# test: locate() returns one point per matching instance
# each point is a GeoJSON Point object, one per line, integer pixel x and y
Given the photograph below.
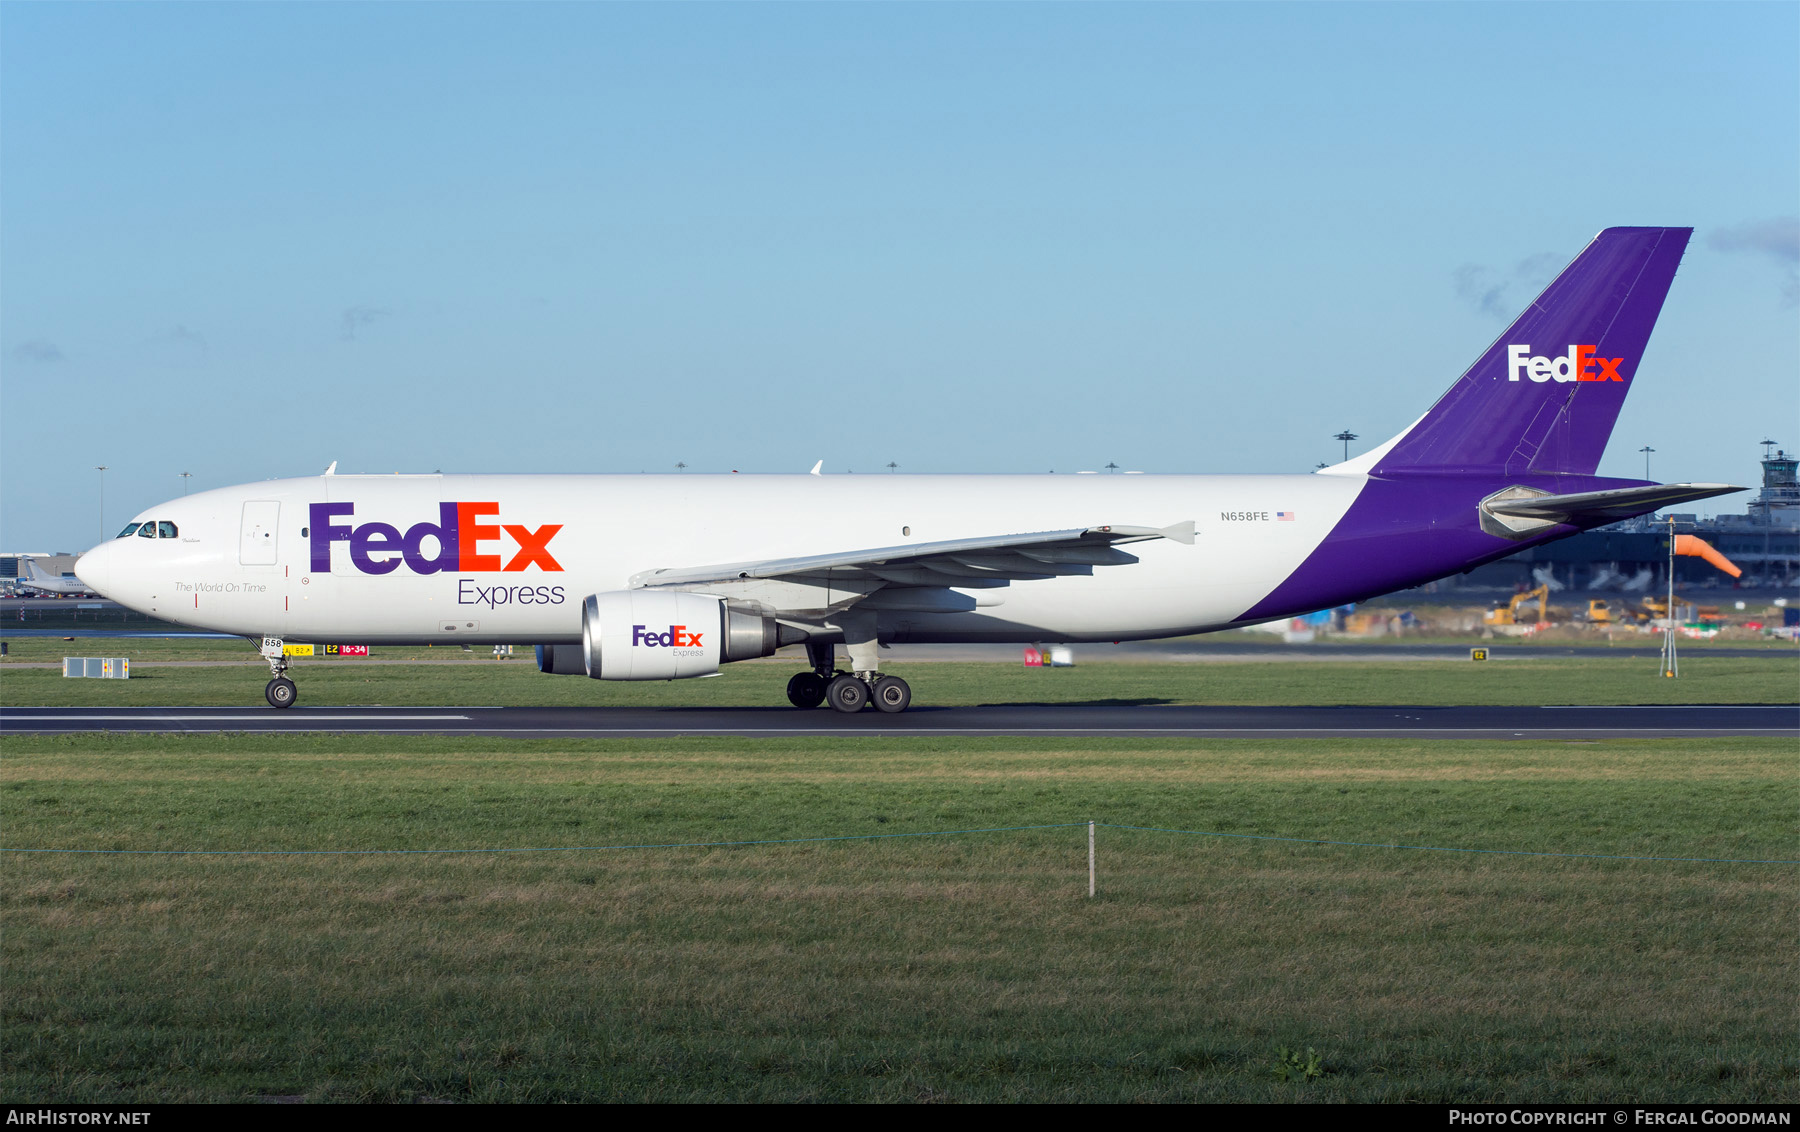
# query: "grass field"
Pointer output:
{"type": "Point", "coordinates": [959, 968]}
{"type": "Point", "coordinates": [451, 677]}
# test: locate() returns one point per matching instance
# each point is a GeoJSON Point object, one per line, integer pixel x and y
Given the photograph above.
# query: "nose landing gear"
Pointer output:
{"type": "Point", "coordinates": [280, 692]}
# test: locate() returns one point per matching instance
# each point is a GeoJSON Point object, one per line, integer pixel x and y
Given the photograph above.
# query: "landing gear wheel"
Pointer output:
{"type": "Point", "coordinates": [281, 692]}
{"type": "Point", "coordinates": [806, 690]}
{"type": "Point", "coordinates": [847, 694]}
{"type": "Point", "coordinates": [892, 694]}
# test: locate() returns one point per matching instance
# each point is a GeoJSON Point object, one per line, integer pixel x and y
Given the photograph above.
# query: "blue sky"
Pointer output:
{"type": "Point", "coordinates": [245, 240]}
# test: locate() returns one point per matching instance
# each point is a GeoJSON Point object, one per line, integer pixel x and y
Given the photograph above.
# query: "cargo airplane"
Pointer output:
{"type": "Point", "coordinates": [634, 577]}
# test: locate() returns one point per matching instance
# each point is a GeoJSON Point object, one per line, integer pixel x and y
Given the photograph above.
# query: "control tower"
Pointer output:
{"type": "Point", "coordinates": [1778, 505]}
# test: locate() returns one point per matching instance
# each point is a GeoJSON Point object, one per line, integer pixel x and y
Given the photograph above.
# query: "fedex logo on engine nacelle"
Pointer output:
{"type": "Point", "coordinates": [677, 637]}
{"type": "Point", "coordinates": [459, 534]}
{"type": "Point", "coordinates": [1579, 364]}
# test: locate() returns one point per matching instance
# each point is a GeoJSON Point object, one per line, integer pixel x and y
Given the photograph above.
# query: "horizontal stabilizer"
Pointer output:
{"type": "Point", "coordinates": [1522, 512]}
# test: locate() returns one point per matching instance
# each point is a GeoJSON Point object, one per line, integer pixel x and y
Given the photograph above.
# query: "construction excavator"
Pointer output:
{"type": "Point", "coordinates": [1510, 614]}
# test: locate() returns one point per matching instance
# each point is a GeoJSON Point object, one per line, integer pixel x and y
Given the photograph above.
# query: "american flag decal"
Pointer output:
{"type": "Point", "coordinates": [1284, 516]}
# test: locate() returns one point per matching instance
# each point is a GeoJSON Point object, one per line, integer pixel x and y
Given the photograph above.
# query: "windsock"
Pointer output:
{"type": "Point", "coordinates": [1697, 547]}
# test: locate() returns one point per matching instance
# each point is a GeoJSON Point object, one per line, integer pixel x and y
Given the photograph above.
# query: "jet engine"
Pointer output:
{"type": "Point", "coordinates": [664, 635]}
{"type": "Point", "coordinates": [562, 660]}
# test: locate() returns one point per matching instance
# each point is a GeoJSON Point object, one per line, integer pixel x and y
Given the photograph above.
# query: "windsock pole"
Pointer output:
{"type": "Point", "coordinates": [1670, 666]}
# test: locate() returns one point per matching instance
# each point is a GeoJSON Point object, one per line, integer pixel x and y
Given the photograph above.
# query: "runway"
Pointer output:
{"type": "Point", "coordinates": [1041, 720]}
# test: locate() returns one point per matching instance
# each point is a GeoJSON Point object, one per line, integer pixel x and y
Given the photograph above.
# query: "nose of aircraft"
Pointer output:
{"type": "Point", "coordinates": [95, 568]}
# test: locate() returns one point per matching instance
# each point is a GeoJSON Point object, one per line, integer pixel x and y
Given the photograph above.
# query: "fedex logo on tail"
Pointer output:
{"type": "Point", "coordinates": [1579, 364]}
{"type": "Point", "coordinates": [459, 535]}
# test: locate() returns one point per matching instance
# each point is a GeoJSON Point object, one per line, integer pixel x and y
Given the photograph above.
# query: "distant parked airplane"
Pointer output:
{"type": "Point", "coordinates": [661, 577]}
{"type": "Point", "coordinates": [30, 579]}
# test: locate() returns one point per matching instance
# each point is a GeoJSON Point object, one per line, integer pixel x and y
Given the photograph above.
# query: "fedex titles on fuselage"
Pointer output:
{"type": "Point", "coordinates": [464, 545]}
{"type": "Point", "coordinates": [1579, 364]}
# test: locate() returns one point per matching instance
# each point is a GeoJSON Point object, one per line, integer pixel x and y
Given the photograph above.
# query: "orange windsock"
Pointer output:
{"type": "Point", "coordinates": [1698, 547]}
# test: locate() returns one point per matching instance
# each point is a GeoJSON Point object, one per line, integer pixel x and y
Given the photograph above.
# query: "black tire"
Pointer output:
{"type": "Point", "coordinates": [806, 690]}
{"type": "Point", "coordinates": [892, 694]}
{"type": "Point", "coordinates": [847, 694]}
{"type": "Point", "coordinates": [281, 692]}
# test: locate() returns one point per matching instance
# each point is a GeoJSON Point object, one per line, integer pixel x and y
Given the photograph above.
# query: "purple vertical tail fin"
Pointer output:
{"type": "Point", "coordinates": [1544, 396]}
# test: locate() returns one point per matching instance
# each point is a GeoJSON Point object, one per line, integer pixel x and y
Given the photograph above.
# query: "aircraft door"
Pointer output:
{"type": "Point", "coordinates": [260, 533]}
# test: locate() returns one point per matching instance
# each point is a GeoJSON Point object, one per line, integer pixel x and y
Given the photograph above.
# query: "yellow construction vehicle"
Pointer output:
{"type": "Point", "coordinates": [1685, 608]}
{"type": "Point", "coordinates": [1510, 615]}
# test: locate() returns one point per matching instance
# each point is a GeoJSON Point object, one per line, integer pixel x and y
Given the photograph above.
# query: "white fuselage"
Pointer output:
{"type": "Point", "coordinates": [244, 560]}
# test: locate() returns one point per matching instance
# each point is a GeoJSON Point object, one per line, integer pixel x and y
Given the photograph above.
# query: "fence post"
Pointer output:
{"type": "Point", "coordinates": [1090, 860]}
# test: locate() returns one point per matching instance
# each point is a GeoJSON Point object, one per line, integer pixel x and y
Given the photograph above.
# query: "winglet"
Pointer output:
{"type": "Point", "coordinates": [1113, 532]}
{"type": "Point", "coordinates": [816, 467]}
{"type": "Point", "coordinates": [332, 469]}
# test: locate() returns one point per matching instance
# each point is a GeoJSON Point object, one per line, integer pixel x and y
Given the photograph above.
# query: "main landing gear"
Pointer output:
{"type": "Point", "coordinates": [848, 692]}
{"type": "Point", "coordinates": [807, 689]}
{"type": "Point", "coordinates": [280, 692]}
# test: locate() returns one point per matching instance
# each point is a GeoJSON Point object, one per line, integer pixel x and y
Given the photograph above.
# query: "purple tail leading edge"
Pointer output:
{"type": "Point", "coordinates": [1544, 396]}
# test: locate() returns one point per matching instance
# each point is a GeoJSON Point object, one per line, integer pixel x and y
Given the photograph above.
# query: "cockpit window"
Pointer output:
{"type": "Point", "coordinates": [130, 529]}
{"type": "Point", "coordinates": [165, 529]}
{"type": "Point", "coordinates": [148, 530]}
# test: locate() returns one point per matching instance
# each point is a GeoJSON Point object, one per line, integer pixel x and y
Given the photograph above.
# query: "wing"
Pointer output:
{"type": "Point", "coordinates": [922, 577]}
